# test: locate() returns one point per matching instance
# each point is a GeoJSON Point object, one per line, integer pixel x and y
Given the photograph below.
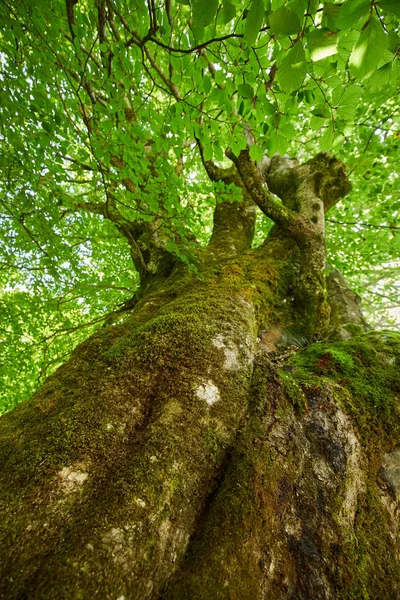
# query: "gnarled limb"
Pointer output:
{"type": "Point", "coordinates": [233, 222]}
{"type": "Point", "coordinates": [307, 191]}
{"type": "Point", "coordinates": [254, 186]}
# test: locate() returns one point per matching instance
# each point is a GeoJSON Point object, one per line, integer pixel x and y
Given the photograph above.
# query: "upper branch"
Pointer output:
{"type": "Point", "coordinates": [262, 197]}
{"type": "Point", "coordinates": [214, 172]}
{"type": "Point", "coordinates": [69, 5]}
{"type": "Point", "coordinates": [233, 222]}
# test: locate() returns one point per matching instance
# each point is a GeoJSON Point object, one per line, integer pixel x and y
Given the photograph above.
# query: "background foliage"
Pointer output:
{"type": "Point", "coordinates": [101, 104]}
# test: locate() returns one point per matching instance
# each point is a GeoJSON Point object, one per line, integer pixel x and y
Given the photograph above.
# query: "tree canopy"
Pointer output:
{"type": "Point", "coordinates": [110, 110]}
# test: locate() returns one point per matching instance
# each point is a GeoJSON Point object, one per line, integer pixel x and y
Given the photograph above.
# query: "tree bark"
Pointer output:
{"type": "Point", "coordinates": [194, 450]}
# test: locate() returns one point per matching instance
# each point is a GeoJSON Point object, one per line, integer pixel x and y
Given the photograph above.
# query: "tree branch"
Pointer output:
{"type": "Point", "coordinates": [262, 197]}
{"type": "Point", "coordinates": [214, 172]}
{"type": "Point", "coordinates": [361, 224]}
{"type": "Point", "coordinates": [173, 88]}
{"type": "Point", "coordinates": [69, 4]}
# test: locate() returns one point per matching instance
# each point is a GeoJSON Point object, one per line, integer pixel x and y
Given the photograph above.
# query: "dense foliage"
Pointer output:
{"type": "Point", "coordinates": [104, 106]}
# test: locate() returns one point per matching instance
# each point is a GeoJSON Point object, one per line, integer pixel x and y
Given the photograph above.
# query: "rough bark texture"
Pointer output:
{"type": "Point", "coordinates": [194, 450]}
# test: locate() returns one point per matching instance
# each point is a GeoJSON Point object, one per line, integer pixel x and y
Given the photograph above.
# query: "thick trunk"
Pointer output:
{"type": "Point", "coordinates": [159, 462]}
{"type": "Point", "coordinates": [193, 450]}
{"type": "Point", "coordinates": [106, 469]}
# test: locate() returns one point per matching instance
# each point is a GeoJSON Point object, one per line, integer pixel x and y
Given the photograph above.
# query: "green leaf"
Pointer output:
{"type": "Point", "coordinates": [246, 91]}
{"type": "Point", "coordinates": [204, 12]}
{"type": "Point", "coordinates": [321, 111]}
{"type": "Point", "coordinates": [393, 41]}
{"type": "Point", "coordinates": [282, 143]}
{"type": "Point", "coordinates": [369, 49]}
{"type": "Point", "coordinates": [351, 12]}
{"type": "Point", "coordinates": [208, 152]}
{"type": "Point", "coordinates": [292, 69]}
{"type": "Point", "coordinates": [207, 84]}
{"type": "Point", "coordinates": [316, 123]}
{"type": "Point", "coordinates": [380, 78]}
{"type": "Point", "coordinates": [254, 21]}
{"type": "Point", "coordinates": [227, 13]}
{"type": "Point", "coordinates": [219, 77]}
{"type": "Point", "coordinates": [330, 15]}
{"type": "Point", "coordinates": [323, 43]}
{"type": "Point", "coordinates": [275, 4]}
{"type": "Point", "coordinates": [302, 6]}
{"type": "Point", "coordinates": [349, 102]}
{"type": "Point", "coordinates": [256, 153]}
{"type": "Point", "coordinates": [326, 140]}
{"type": "Point", "coordinates": [284, 21]}
{"type": "Point", "coordinates": [392, 6]}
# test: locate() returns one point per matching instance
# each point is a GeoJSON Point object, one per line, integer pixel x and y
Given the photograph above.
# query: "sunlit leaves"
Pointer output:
{"type": "Point", "coordinates": [292, 69]}
{"type": "Point", "coordinates": [380, 78]}
{"type": "Point", "coordinates": [254, 21]}
{"type": "Point", "coordinates": [284, 21]}
{"type": "Point", "coordinates": [347, 101]}
{"type": "Point", "coordinates": [352, 13]}
{"type": "Point", "coordinates": [369, 49]}
{"type": "Point", "coordinates": [323, 43]}
{"type": "Point", "coordinates": [326, 140]}
{"type": "Point", "coordinates": [330, 15]}
{"type": "Point", "coordinates": [204, 12]}
{"type": "Point", "coordinates": [256, 153]}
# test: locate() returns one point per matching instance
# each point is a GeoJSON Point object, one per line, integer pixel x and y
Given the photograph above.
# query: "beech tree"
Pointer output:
{"type": "Point", "coordinates": [187, 189]}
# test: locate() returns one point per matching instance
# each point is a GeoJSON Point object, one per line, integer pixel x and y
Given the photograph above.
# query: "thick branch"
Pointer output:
{"type": "Point", "coordinates": [233, 222]}
{"type": "Point", "coordinates": [69, 4]}
{"type": "Point", "coordinates": [214, 172]}
{"type": "Point", "coordinates": [262, 197]}
{"type": "Point", "coordinates": [307, 191]}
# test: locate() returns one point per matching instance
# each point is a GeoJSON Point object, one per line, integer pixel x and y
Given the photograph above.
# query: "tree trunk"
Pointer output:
{"type": "Point", "coordinates": [194, 450]}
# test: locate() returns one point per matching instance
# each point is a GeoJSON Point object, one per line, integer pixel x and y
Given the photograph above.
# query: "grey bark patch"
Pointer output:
{"type": "Point", "coordinates": [390, 472]}
{"type": "Point", "coordinates": [72, 478]}
{"type": "Point", "coordinates": [208, 392]}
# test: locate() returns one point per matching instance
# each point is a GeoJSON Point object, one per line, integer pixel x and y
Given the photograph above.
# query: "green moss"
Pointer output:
{"type": "Point", "coordinates": [363, 375]}
{"type": "Point", "coordinates": [372, 571]}
{"type": "Point", "coordinates": [367, 366]}
{"type": "Point", "coordinates": [214, 444]}
{"type": "Point", "coordinates": [353, 329]}
{"type": "Point", "coordinates": [293, 391]}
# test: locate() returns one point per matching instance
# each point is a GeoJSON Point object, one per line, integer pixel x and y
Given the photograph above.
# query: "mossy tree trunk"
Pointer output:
{"type": "Point", "coordinates": [194, 450]}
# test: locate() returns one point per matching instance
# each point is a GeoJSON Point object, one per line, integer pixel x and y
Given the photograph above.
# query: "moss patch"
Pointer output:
{"type": "Point", "coordinates": [368, 366]}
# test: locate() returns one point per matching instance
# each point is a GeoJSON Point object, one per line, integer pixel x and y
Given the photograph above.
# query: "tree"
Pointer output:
{"type": "Point", "coordinates": [231, 431]}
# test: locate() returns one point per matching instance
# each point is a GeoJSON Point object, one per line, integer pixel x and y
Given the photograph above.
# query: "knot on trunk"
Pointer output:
{"type": "Point", "coordinates": [330, 177]}
{"type": "Point", "coordinates": [281, 175]}
{"type": "Point", "coordinates": [346, 317]}
{"type": "Point", "coordinates": [324, 177]}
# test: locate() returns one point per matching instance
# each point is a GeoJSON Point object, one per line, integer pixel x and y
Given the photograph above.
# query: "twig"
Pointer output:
{"type": "Point", "coordinates": [362, 224]}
